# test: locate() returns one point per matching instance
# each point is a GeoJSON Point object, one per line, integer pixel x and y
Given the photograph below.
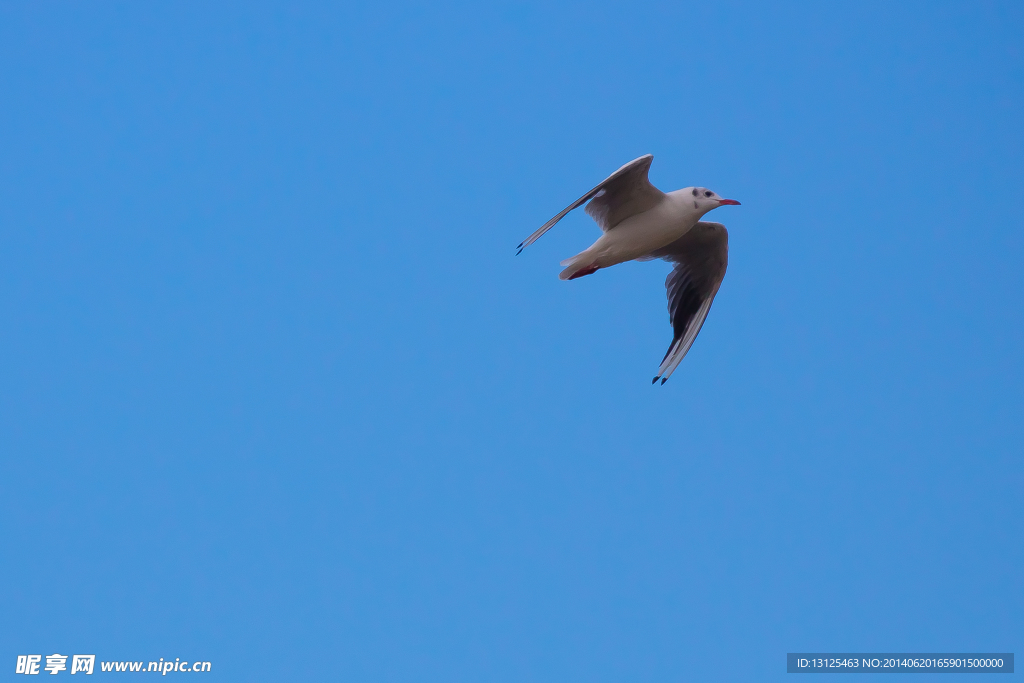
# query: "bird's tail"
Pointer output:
{"type": "Point", "coordinates": [579, 265]}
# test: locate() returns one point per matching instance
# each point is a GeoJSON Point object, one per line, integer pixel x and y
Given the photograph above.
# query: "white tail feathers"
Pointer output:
{"type": "Point", "coordinates": [575, 264]}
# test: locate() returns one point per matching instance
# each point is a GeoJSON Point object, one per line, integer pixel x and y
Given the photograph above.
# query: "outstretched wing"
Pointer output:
{"type": "Point", "coordinates": [700, 257]}
{"type": "Point", "coordinates": [619, 196]}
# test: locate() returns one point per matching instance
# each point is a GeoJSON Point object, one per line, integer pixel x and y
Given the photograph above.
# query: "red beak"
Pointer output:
{"type": "Point", "coordinates": [723, 202]}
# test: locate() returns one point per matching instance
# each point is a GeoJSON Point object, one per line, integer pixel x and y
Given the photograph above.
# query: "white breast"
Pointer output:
{"type": "Point", "coordinates": [641, 234]}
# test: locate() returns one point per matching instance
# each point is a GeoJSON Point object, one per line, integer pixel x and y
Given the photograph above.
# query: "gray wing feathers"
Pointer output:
{"type": "Point", "coordinates": [619, 196]}
{"type": "Point", "coordinates": [700, 257]}
{"type": "Point", "coordinates": [627, 192]}
{"type": "Point", "coordinates": [681, 345]}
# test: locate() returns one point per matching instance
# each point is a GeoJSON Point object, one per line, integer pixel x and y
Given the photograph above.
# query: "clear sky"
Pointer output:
{"type": "Point", "coordinates": [276, 393]}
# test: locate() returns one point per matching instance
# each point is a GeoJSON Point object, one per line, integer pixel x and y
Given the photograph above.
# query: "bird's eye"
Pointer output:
{"type": "Point", "coordinates": [695, 192]}
{"type": "Point", "coordinates": [708, 193]}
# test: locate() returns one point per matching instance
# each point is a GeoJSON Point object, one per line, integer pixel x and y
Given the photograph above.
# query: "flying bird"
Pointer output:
{"type": "Point", "coordinates": [640, 222]}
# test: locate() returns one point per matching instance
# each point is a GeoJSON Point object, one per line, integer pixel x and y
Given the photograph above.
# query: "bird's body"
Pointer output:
{"type": "Point", "coordinates": [640, 234]}
{"type": "Point", "coordinates": [640, 222]}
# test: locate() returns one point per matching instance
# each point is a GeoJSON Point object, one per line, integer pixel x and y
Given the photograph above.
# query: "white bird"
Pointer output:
{"type": "Point", "coordinates": [640, 222]}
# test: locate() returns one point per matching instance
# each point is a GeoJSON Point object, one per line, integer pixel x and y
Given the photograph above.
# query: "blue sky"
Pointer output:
{"type": "Point", "coordinates": [276, 393]}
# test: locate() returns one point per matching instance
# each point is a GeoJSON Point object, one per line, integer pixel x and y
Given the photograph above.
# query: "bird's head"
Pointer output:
{"type": "Point", "coordinates": [704, 199]}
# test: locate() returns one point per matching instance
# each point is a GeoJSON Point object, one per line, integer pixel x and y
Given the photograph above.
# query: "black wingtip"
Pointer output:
{"type": "Point", "coordinates": [520, 251]}
{"type": "Point", "coordinates": [664, 379]}
{"type": "Point", "coordinates": [654, 381]}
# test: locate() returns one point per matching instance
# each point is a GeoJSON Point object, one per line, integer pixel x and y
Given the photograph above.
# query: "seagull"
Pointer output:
{"type": "Point", "coordinates": [641, 223]}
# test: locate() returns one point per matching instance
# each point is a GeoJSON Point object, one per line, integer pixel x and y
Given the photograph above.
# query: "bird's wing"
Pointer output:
{"type": "Point", "coordinates": [700, 257]}
{"type": "Point", "coordinates": [619, 196]}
